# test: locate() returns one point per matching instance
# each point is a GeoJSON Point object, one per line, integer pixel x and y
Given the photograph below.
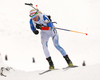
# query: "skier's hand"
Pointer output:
{"type": "Point", "coordinates": [36, 32]}
{"type": "Point", "coordinates": [38, 26]}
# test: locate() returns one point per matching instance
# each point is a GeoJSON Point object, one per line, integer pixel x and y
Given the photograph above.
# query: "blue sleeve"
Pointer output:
{"type": "Point", "coordinates": [50, 24]}
{"type": "Point", "coordinates": [31, 25]}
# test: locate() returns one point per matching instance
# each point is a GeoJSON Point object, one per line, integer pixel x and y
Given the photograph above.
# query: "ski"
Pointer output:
{"type": "Point", "coordinates": [47, 71]}
{"type": "Point", "coordinates": [44, 72]}
{"type": "Point", "coordinates": [66, 68]}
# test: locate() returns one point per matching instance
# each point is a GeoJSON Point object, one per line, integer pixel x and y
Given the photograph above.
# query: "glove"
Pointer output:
{"type": "Point", "coordinates": [38, 26]}
{"type": "Point", "coordinates": [36, 32]}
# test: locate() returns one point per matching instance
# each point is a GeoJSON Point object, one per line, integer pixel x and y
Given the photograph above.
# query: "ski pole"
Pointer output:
{"type": "Point", "coordinates": [70, 30]}
{"type": "Point", "coordinates": [30, 4]}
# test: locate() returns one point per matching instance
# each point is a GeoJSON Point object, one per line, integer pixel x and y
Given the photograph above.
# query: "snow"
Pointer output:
{"type": "Point", "coordinates": [79, 73]}
{"type": "Point", "coordinates": [20, 45]}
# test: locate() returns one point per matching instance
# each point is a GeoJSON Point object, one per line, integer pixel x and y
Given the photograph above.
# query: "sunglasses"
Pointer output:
{"type": "Point", "coordinates": [33, 15]}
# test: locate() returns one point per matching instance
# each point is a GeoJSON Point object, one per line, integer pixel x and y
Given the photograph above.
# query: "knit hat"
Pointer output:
{"type": "Point", "coordinates": [33, 13]}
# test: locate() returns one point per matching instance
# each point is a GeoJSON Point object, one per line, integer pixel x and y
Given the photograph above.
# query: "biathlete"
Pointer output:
{"type": "Point", "coordinates": [41, 21]}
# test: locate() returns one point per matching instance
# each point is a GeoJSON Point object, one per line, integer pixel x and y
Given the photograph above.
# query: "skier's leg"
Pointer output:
{"type": "Point", "coordinates": [58, 47]}
{"type": "Point", "coordinates": [56, 44]}
{"type": "Point", "coordinates": [44, 41]}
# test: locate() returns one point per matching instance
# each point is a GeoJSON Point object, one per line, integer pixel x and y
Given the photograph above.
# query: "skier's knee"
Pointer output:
{"type": "Point", "coordinates": [57, 46]}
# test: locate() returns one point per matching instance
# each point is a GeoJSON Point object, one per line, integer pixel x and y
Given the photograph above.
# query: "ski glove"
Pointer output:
{"type": "Point", "coordinates": [38, 26]}
{"type": "Point", "coordinates": [36, 32]}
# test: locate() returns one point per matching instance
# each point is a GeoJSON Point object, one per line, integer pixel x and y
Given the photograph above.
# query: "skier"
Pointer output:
{"type": "Point", "coordinates": [41, 21]}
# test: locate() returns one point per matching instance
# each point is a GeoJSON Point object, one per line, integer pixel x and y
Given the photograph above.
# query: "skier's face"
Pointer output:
{"type": "Point", "coordinates": [36, 18]}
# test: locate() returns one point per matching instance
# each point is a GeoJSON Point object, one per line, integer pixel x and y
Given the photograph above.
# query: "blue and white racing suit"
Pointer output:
{"type": "Point", "coordinates": [46, 34]}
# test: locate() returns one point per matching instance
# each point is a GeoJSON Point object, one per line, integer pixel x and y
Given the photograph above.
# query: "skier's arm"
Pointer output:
{"type": "Point", "coordinates": [33, 28]}
{"type": "Point", "coordinates": [38, 26]}
{"type": "Point", "coordinates": [49, 23]}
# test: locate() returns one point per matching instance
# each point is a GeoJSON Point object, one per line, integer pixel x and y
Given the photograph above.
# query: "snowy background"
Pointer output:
{"type": "Point", "coordinates": [90, 72]}
{"type": "Point", "coordinates": [21, 45]}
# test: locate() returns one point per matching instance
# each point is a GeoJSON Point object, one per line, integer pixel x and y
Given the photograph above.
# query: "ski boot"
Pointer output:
{"type": "Point", "coordinates": [70, 64]}
{"type": "Point", "coordinates": [51, 67]}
